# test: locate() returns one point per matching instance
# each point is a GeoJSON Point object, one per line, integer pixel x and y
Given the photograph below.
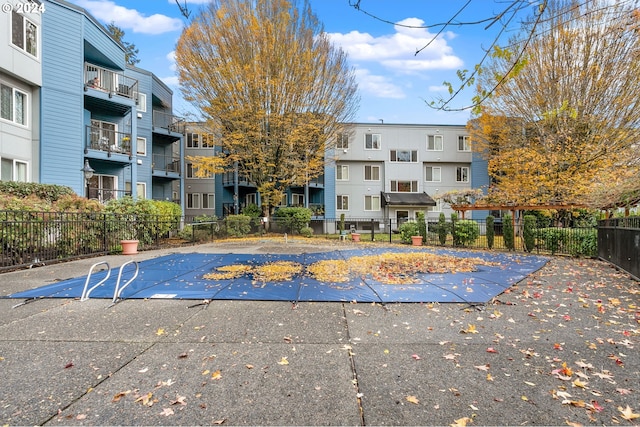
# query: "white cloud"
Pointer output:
{"type": "Point", "coordinates": [171, 81]}
{"type": "Point", "coordinates": [130, 19]}
{"type": "Point", "coordinates": [377, 85]}
{"type": "Point", "coordinates": [397, 51]}
{"type": "Point", "coordinates": [171, 57]}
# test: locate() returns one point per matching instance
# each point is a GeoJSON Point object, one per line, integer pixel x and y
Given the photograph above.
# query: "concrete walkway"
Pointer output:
{"type": "Point", "coordinates": [560, 347]}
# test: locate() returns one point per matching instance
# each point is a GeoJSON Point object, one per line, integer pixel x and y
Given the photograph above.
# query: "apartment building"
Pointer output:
{"type": "Point", "coordinates": [20, 81]}
{"type": "Point", "coordinates": [200, 192]}
{"type": "Point", "coordinates": [69, 100]}
{"type": "Point", "coordinates": [394, 171]}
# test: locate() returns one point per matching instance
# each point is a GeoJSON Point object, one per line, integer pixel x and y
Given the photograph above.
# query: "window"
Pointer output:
{"type": "Point", "coordinates": [371, 203]}
{"type": "Point", "coordinates": [251, 199]}
{"type": "Point", "coordinates": [371, 173]}
{"type": "Point", "coordinates": [283, 200]}
{"type": "Point", "coordinates": [404, 156]}
{"type": "Point", "coordinates": [433, 174]}
{"type": "Point", "coordinates": [372, 141]}
{"type": "Point", "coordinates": [404, 186]}
{"type": "Point", "coordinates": [193, 140]}
{"type": "Point", "coordinates": [463, 143]}
{"type": "Point", "coordinates": [297, 199]}
{"type": "Point", "coordinates": [13, 170]}
{"type": "Point", "coordinates": [24, 34]}
{"type": "Point", "coordinates": [434, 142]}
{"type": "Point", "coordinates": [193, 200]}
{"type": "Point", "coordinates": [141, 190]}
{"type": "Point", "coordinates": [437, 207]}
{"type": "Point", "coordinates": [141, 146]}
{"type": "Point", "coordinates": [342, 203]}
{"type": "Point", "coordinates": [142, 102]}
{"type": "Point", "coordinates": [208, 201]}
{"type": "Point", "coordinates": [342, 141]}
{"type": "Point", "coordinates": [13, 105]}
{"type": "Point", "coordinates": [207, 140]}
{"type": "Point", "coordinates": [103, 187]}
{"type": "Point", "coordinates": [462, 174]}
{"type": "Point", "coordinates": [342, 172]}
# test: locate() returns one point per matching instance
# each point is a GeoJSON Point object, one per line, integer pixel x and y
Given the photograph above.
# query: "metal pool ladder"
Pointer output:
{"type": "Point", "coordinates": [86, 291]}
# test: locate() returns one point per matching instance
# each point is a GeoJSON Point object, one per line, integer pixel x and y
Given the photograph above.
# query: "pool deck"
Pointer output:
{"type": "Point", "coordinates": [559, 347]}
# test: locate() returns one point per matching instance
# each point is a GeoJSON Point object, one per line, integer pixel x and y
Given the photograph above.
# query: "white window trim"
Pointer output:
{"type": "Point", "coordinates": [372, 167]}
{"type": "Point", "coordinates": [24, 36]}
{"type": "Point", "coordinates": [461, 168]}
{"type": "Point", "coordinates": [13, 110]}
{"type": "Point", "coordinates": [195, 200]}
{"type": "Point", "coordinates": [296, 199]}
{"type": "Point", "coordinates": [372, 198]}
{"type": "Point", "coordinates": [440, 137]}
{"type": "Point", "coordinates": [142, 185]}
{"type": "Point", "coordinates": [343, 168]}
{"type": "Point", "coordinates": [343, 197]}
{"type": "Point", "coordinates": [379, 141]}
{"type": "Point", "coordinates": [213, 203]}
{"type": "Point", "coordinates": [411, 152]}
{"type": "Point", "coordinates": [410, 185]}
{"type": "Point", "coordinates": [432, 169]}
{"type": "Point", "coordinates": [467, 143]}
{"type": "Point", "coordinates": [138, 139]}
{"type": "Point", "coordinates": [142, 102]}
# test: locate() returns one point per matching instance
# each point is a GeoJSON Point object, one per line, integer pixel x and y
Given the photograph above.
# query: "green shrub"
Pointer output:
{"type": "Point", "coordinates": [341, 223]}
{"type": "Point", "coordinates": [407, 230]}
{"type": "Point", "coordinates": [574, 241]}
{"type": "Point", "coordinates": [442, 229]}
{"type": "Point", "coordinates": [465, 232]}
{"type": "Point", "coordinates": [529, 232]}
{"type": "Point", "coordinates": [422, 226]}
{"type": "Point", "coordinates": [133, 219]}
{"type": "Point", "coordinates": [169, 215]}
{"type": "Point", "coordinates": [238, 225]}
{"type": "Point", "coordinates": [47, 192]}
{"type": "Point", "coordinates": [252, 210]}
{"type": "Point", "coordinates": [454, 221]}
{"type": "Point", "coordinates": [306, 231]}
{"type": "Point", "coordinates": [491, 232]}
{"type": "Point", "coordinates": [293, 219]}
{"type": "Point", "coordinates": [507, 232]}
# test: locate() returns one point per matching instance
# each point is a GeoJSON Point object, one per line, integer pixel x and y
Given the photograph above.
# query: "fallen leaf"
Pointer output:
{"type": "Point", "coordinates": [218, 422]}
{"type": "Point", "coordinates": [415, 356]}
{"type": "Point", "coordinates": [145, 400]}
{"type": "Point", "coordinates": [627, 413]}
{"type": "Point", "coordinates": [461, 422]}
{"type": "Point", "coordinates": [167, 411]}
{"type": "Point", "coordinates": [160, 331]}
{"type": "Point", "coordinates": [412, 399]}
{"type": "Point", "coordinates": [491, 350]}
{"type": "Point", "coordinates": [68, 365]}
{"type": "Point", "coordinates": [572, 424]}
{"type": "Point", "coordinates": [482, 367]}
{"type": "Point", "coordinates": [118, 396]}
{"type": "Point", "coordinates": [216, 375]}
{"type": "Point", "coordinates": [248, 366]}
{"type": "Point", "coordinates": [283, 361]}
{"type": "Point", "coordinates": [471, 329]}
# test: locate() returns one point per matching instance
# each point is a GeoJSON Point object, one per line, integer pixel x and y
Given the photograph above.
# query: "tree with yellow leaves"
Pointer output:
{"type": "Point", "coordinates": [563, 124]}
{"type": "Point", "coordinates": [275, 89]}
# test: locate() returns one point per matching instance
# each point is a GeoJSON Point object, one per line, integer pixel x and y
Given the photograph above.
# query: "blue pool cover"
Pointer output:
{"type": "Point", "coordinates": [180, 276]}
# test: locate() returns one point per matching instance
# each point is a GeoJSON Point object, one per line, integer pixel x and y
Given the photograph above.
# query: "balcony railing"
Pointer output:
{"type": "Point", "coordinates": [166, 164]}
{"type": "Point", "coordinates": [106, 194]}
{"type": "Point", "coordinates": [168, 121]}
{"type": "Point", "coordinates": [107, 140]}
{"type": "Point", "coordinates": [112, 82]}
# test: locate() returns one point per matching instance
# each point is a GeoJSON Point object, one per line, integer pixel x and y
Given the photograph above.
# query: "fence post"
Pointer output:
{"type": "Point", "coordinates": [389, 229]}
{"type": "Point", "coordinates": [373, 235]}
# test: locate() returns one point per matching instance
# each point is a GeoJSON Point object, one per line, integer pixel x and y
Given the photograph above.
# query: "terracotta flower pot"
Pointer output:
{"type": "Point", "coordinates": [129, 247]}
{"type": "Point", "coordinates": [355, 237]}
{"type": "Point", "coordinates": [416, 240]}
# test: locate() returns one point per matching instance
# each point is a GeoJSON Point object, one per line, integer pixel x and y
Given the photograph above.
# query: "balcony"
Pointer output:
{"type": "Point", "coordinates": [109, 81]}
{"type": "Point", "coordinates": [164, 165]}
{"type": "Point", "coordinates": [105, 194]}
{"type": "Point", "coordinates": [168, 122]}
{"type": "Point", "coordinates": [109, 141]}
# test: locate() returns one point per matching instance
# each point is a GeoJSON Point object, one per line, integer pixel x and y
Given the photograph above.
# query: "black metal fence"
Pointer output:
{"type": "Point", "coordinates": [29, 238]}
{"type": "Point", "coordinates": [619, 243]}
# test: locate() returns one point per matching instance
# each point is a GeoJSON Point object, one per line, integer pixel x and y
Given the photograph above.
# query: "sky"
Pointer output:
{"type": "Point", "coordinates": [396, 84]}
